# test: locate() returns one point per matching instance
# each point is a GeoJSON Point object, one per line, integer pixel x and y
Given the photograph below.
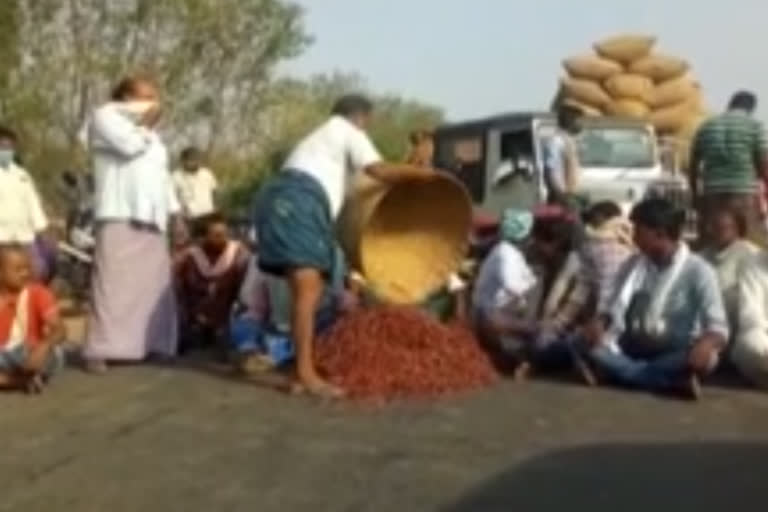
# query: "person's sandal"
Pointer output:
{"type": "Point", "coordinates": [34, 384]}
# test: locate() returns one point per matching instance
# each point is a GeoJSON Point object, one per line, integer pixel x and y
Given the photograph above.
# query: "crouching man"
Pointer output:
{"type": "Point", "coordinates": [29, 325]}
{"type": "Point", "coordinates": [666, 325]}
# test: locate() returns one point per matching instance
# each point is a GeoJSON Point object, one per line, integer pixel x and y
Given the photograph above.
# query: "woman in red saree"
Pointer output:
{"type": "Point", "coordinates": [209, 274]}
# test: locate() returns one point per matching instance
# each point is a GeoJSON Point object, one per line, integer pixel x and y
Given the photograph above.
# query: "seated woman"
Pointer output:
{"type": "Point", "coordinates": [29, 325]}
{"type": "Point", "coordinates": [728, 254]}
{"type": "Point", "coordinates": [666, 325]}
{"type": "Point", "coordinates": [208, 278]}
{"type": "Point", "coordinates": [260, 330]}
{"type": "Point", "coordinates": [606, 247]}
{"type": "Point", "coordinates": [503, 285]}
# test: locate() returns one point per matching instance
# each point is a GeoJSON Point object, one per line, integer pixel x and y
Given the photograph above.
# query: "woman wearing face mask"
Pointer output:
{"type": "Point", "coordinates": [134, 308]}
{"type": "Point", "coordinates": [22, 218]}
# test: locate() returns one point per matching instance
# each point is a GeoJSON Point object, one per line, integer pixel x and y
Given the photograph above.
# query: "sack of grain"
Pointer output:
{"type": "Point", "coordinates": [625, 49]}
{"type": "Point", "coordinates": [587, 110]}
{"type": "Point", "coordinates": [659, 68]}
{"type": "Point", "coordinates": [629, 108]}
{"type": "Point", "coordinates": [591, 67]}
{"type": "Point", "coordinates": [673, 118]}
{"type": "Point", "coordinates": [673, 92]}
{"type": "Point", "coordinates": [685, 137]}
{"type": "Point", "coordinates": [628, 86]}
{"type": "Point", "coordinates": [586, 92]}
{"type": "Point", "coordinates": [688, 131]}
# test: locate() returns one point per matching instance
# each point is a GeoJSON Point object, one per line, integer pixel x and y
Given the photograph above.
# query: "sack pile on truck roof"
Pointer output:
{"type": "Point", "coordinates": [626, 77]}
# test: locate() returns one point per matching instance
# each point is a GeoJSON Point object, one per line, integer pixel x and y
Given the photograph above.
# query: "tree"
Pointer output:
{"type": "Point", "coordinates": [296, 106]}
{"type": "Point", "coordinates": [213, 58]}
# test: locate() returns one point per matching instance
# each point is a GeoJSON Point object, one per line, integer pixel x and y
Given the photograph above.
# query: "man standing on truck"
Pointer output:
{"type": "Point", "coordinates": [729, 159]}
{"type": "Point", "coordinates": [561, 162]}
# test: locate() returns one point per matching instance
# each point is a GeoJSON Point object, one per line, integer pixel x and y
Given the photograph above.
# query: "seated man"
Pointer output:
{"type": "Point", "coordinates": [260, 331]}
{"type": "Point", "coordinates": [29, 325]}
{"type": "Point", "coordinates": [209, 275]}
{"type": "Point", "coordinates": [749, 353]}
{"type": "Point", "coordinates": [666, 324]}
{"type": "Point", "coordinates": [564, 298]}
{"type": "Point", "coordinates": [503, 284]}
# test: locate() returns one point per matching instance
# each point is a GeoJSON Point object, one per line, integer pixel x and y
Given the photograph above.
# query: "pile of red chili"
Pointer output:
{"type": "Point", "coordinates": [394, 353]}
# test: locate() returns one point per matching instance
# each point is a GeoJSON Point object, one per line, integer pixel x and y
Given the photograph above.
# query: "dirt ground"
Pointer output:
{"type": "Point", "coordinates": [188, 439]}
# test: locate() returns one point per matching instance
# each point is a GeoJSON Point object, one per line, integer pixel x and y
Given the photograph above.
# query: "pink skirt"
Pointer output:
{"type": "Point", "coordinates": [133, 312]}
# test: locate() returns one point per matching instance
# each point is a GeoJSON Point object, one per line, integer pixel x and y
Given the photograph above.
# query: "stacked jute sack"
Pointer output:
{"type": "Point", "coordinates": [626, 78]}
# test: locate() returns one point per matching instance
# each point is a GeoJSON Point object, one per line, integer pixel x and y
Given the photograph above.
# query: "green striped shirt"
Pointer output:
{"type": "Point", "coordinates": [730, 150]}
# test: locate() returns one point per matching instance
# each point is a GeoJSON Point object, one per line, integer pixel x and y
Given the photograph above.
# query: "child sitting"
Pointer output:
{"type": "Point", "coordinates": [29, 325]}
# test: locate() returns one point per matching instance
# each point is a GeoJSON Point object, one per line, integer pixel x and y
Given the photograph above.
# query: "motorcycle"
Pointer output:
{"type": "Point", "coordinates": [75, 250]}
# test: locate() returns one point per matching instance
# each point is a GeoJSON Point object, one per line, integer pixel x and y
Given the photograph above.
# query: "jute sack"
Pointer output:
{"type": "Point", "coordinates": [587, 110]}
{"type": "Point", "coordinates": [629, 108]}
{"type": "Point", "coordinates": [685, 138]}
{"type": "Point", "coordinates": [586, 92]}
{"type": "Point", "coordinates": [688, 131]}
{"type": "Point", "coordinates": [659, 68]}
{"type": "Point", "coordinates": [673, 92]}
{"type": "Point", "coordinates": [628, 86]}
{"type": "Point", "coordinates": [672, 119]}
{"type": "Point", "coordinates": [626, 48]}
{"type": "Point", "coordinates": [591, 67]}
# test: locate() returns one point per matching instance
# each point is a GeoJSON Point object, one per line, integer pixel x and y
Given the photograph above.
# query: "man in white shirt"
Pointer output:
{"type": "Point", "coordinates": [21, 212]}
{"type": "Point", "coordinates": [296, 214]}
{"type": "Point", "coordinates": [22, 217]}
{"type": "Point", "coordinates": [134, 309]}
{"type": "Point", "coordinates": [195, 186]}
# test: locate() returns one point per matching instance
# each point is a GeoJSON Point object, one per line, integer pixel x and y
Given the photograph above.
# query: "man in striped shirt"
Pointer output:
{"type": "Point", "coordinates": [728, 162]}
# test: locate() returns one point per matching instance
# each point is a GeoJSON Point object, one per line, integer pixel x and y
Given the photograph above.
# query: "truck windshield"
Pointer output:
{"type": "Point", "coordinates": [616, 147]}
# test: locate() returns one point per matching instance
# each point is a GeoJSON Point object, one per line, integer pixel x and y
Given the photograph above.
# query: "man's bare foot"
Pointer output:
{"type": "Point", "coordinates": [96, 366]}
{"type": "Point", "coordinates": [317, 387]}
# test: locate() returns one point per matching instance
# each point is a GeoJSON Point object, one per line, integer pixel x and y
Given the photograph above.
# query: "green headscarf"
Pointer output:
{"type": "Point", "coordinates": [515, 225]}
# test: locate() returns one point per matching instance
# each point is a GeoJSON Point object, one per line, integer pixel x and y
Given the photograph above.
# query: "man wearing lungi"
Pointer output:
{"type": "Point", "coordinates": [296, 214]}
{"type": "Point", "coordinates": [134, 308]}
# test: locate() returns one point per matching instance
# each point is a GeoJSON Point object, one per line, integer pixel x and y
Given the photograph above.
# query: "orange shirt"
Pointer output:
{"type": "Point", "coordinates": [40, 309]}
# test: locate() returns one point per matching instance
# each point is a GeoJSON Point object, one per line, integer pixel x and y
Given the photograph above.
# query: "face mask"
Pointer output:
{"type": "Point", "coordinates": [6, 157]}
{"type": "Point", "coordinates": [135, 110]}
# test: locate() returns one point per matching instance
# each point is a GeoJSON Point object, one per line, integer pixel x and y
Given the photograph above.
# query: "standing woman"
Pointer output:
{"type": "Point", "coordinates": [296, 215]}
{"type": "Point", "coordinates": [134, 308]}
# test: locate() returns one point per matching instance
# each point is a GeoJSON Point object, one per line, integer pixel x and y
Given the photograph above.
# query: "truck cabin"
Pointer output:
{"type": "Point", "coordinates": [500, 160]}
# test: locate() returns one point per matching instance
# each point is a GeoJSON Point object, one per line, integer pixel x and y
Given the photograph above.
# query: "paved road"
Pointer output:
{"type": "Point", "coordinates": [146, 439]}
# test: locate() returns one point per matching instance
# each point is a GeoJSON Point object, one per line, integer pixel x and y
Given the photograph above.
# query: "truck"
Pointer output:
{"type": "Point", "coordinates": [500, 160]}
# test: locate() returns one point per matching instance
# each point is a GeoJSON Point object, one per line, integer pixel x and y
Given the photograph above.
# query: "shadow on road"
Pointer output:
{"type": "Point", "coordinates": [633, 477]}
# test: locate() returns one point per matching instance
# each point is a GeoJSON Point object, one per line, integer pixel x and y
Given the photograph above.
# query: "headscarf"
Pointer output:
{"type": "Point", "coordinates": [515, 225]}
{"type": "Point", "coordinates": [554, 211]}
{"type": "Point", "coordinates": [617, 229]}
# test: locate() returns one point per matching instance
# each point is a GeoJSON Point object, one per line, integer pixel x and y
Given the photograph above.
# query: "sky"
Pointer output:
{"type": "Point", "coordinates": [480, 57]}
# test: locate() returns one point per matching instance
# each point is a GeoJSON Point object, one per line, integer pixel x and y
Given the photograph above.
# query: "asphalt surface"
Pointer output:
{"type": "Point", "coordinates": [189, 439]}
